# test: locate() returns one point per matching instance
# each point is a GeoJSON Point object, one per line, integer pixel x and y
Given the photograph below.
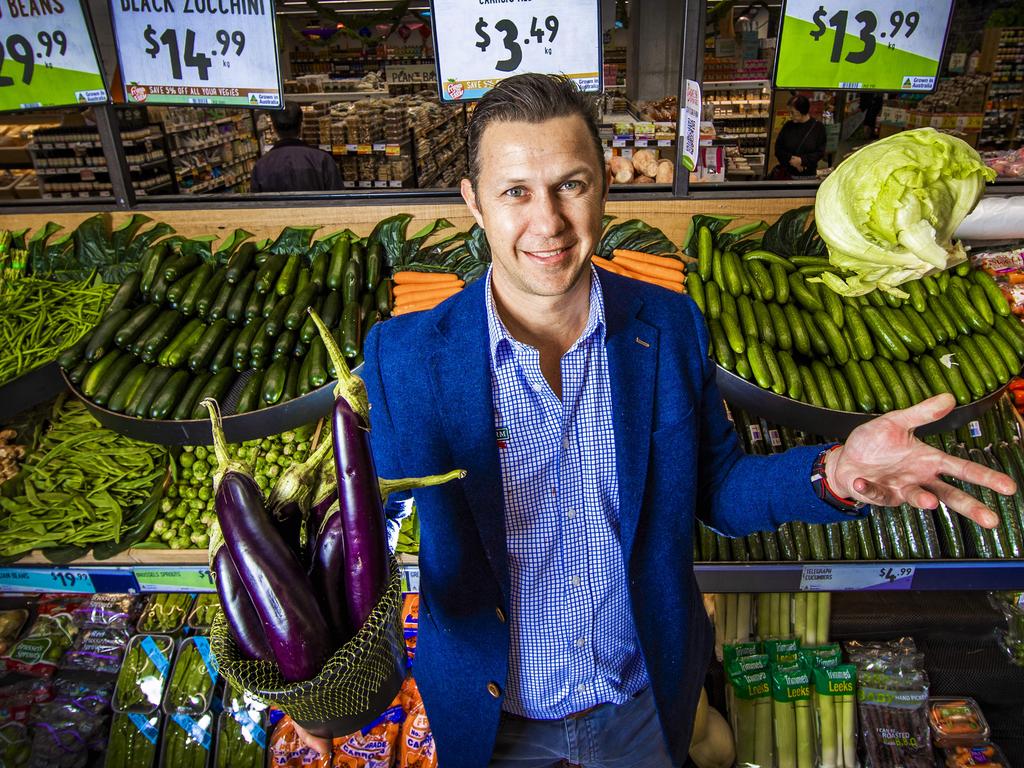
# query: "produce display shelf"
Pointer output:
{"type": "Point", "coordinates": [309, 98]}
{"type": "Point", "coordinates": [154, 570]}
{"type": "Point", "coordinates": [810, 418]}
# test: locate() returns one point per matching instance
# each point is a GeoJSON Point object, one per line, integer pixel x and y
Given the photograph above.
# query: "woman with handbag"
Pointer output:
{"type": "Point", "coordinates": [800, 144]}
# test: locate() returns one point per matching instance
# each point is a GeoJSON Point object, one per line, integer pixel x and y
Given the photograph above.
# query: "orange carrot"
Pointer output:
{"type": "Point", "coordinates": [650, 270]}
{"type": "Point", "coordinates": [406, 288]}
{"type": "Point", "coordinates": [611, 266]}
{"type": "Point", "coordinates": [648, 258]}
{"type": "Point", "coordinates": [419, 306]}
{"type": "Point", "coordinates": [427, 296]}
{"type": "Point", "coordinates": [671, 285]}
{"type": "Point", "coordinates": [409, 276]}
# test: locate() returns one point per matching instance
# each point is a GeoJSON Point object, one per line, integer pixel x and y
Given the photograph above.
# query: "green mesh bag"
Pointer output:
{"type": "Point", "coordinates": [355, 685]}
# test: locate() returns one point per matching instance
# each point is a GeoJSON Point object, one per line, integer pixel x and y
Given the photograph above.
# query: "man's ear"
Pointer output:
{"type": "Point", "coordinates": [466, 188]}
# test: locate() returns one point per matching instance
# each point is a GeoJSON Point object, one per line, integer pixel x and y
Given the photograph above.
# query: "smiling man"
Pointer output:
{"type": "Point", "coordinates": [560, 620]}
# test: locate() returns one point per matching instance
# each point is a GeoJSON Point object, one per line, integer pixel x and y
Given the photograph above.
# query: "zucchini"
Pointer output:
{"type": "Point", "coordinates": [317, 364]}
{"type": "Point", "coordinates": [77, 374]}
{"type": "Point", "coordinates": [352, 282]}
{"type": "Point", "coordinates": [374, 266]}
{"type": "Point", "coordinates": [153, 263]}
{"type": "Point", "coordinates": [286, 279]}
{"type": "Point", "coordinates": [217, 386]}
{"type": "Point", "coordinates": [284, 345]}
{"type": "Point", "coordinates": [340, 253]}
{"type": "Point", "coordinates": [318, 270]}
{"type": "Point", "coordinates": [181, 264]}
{"type": "Point", "coordinates": [98, 372]}
{"type": "Point", "coordinates": [201, 280]}
{"type": "Point", "coordinates": [235, 308]}
{"type": "Point", "coordinates": [249, 398]}
{"type": "Point", "coordinates": [125, 294]}
{"type": "Point", "coordinates": [225, 352]}
{"type": "Point", "coordinates": [129, 385]}
{"type": "Point", "coordinates": [270, 301]}
{"type": "Point", "coordinates": [102, 338]}
{"type": "Point", "coordinates": [169, 395]}
{"type": "Point", "coordinates": [351, 330]}
{"type": "Point", "coordinates": [176, 291]}
{"type": "Point", "coordinates": [210, 293]}
{"type": "Point", "coordinates": [254, 305]}
{"type": "Point", "coordinates": [189, 397]}
{"type": "Point", "coordinates": [331, 314]}
{"type": "Point", "coordinates": [262, 342]}
{"type": "Point", "coordinates": [177, 352]}
{"type": "Point", "coordinates": [114, 375]}
{"type": "Point", "coordinates": [297, 313]}
{"type": "Point", "coordinates": [291, 384]}
{"type": "Point", "coordinates": [274, 381]}
{"type": "Point", "coordinates": [266, 276]}
{"type": "Point", "coordinates": [208, 344]}
{"type": "Point", "coordinates": [139, 405]}
{"type": "Point", "coordinates": [240, 263]}
{"type": "Point", "coordinates": [277, 316]}
{"type": "Point", "coordinates": [243, 344]}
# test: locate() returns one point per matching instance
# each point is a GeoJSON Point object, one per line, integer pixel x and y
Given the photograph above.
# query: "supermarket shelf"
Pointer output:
{"type": "Point", "coordinates": [309, 98]}
{"type": "Point", "coordinates": [616, 143]}
{"type": "Point", "coordinates": [154, 570]}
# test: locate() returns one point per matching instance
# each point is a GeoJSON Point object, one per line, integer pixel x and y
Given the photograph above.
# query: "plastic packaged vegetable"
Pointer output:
{"type": "Point", "coordinates": [110, 610]}
{"type": "Point", "coordinates": [957, 721]}
{"type": "Point", "coordinates": [205, 608]}
{"type": "Point", "coordinates": [751, 714]}
{"type": "Point", "coordinates": [241, 740]}
{"type": "Point", "coordinates": [416, 745]}
{"type": "Point", "coordinates": [15, 744]}
{"type": "Point", "coordinates": [980, 754]}
{"type": "Point", "coordinates": [52, 633]}
{"type": "Point", "coordinates": [194, 677]}
{"type": "Point", "coordinates": [132, 742]}
{"type": "Point", "coordinates": [792, 721]}
{"type": "Point", "coordinates": [187, 741]}
{"type": "Point", "coordinates": [165, 612]}
{"type": "Point", "coordinates": [68, 726]}
{"type": "Point", "coordinates": [11, 624]}
{"type": "Point", "coordinates": [97, 649]}
{"type": "Point", "coordinates": [144, 673]}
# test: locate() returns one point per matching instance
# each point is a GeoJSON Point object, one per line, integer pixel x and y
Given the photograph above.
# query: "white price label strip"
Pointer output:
{"type": "Point", "coordinates": [840, 578]}
{"type": "Point", "coordinates": [477, 49]}
{"type": "Point", "coordinates": [219, 52]}
{"type": "Point", "coordinates": [47, 59]}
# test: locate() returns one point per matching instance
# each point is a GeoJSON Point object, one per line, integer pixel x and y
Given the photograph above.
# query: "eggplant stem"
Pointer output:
{"type": "Point", "coordinates": [216, 542]}
{"type": "Point", "coordinates": [349, 386]}
{"type": "Point", "coordinates": [225, 463]}
{"type": "Point", "coordinates": [387, 487]}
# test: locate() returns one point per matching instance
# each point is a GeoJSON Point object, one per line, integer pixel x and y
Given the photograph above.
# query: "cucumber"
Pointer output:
{"type": "Point", "coordinates": [817, 540]}
{"type": "Point", "coordinates": [834, 541]}
{"type": "Point", "coordinates": [833, 337]}
{"type": "Point", "coordinates": [905, 371]}
{"type": "Point", "coordinates": [758, 366]}
{"type": "Point", "coordinates": [780, 282]}
{"type": "Point", "coordinates": [794, 381]}
{"type": "Point", "coordinates": [879, 536]}
{"type": "Point", "coordinates": [225, 352]}
{"type": "Point", "coordinates": [101, 340]}
{"type": "Point", "coordinates": [979, 299]}
{"type": "Point", "coordinates": [249, 398]}
{"type": "Point", "coordinates": [340, 253]}
{"type": "Point", "coordinates": [729, 306]}
{"type": "Point", "coordinates": [274, 381]}
{"type": "Point", "coordinates": [780, 328]}
{"type": "Point", "coordinates": [1009, 510]}
{"type": "Point", "coordinates": [931, 371]}
{"type": "Point", "coordinates": [943, 280]}
{"type": "Point", "coordinates": [883, 397]}
{"type": "Point", "coordinates": [135, 326]}
{"type": "Point", "coordinates": [938, 308]}
{"type": "Point", "coordinates": [761, 278]}
{"type": "Point", "coordinates": [929, 534]}
{"type": "Point", "coordinates": [800, 291]}
{"type": "Point", "coordinates": [969, 371]}
{"type": "Point", "coordinates": [731, 272]}
{"type": "Point", "coordinates": [720, 348]}
{"type": "Point", "coordinates": [815, 336]}
{"type": "Point", "coordinates": [718, 270]}
{"type": "Point", "coordinates": [713, 300]}
{"type": "Point", "coordinates": [797, 328]}
{"type": "Point", "coordinates": [908, 520]}
{"type": "Point", "coordinates": [755, 546]}
{"type": "Point", "coordinates": [695, 289]}
{"type": "Point", "coordinates": [891, 301]}
{"type": "Point", "coordinates": [843, 391]}
{"type": "Point", "coordinates": [732, 332]}
{"type": "Point", "coordinates": [981, 539]}
{"type": "Point", "coordinates": [862, 392]}
{"type": "Point", "coordinates": [1011, 331]}
{"type": "Point", "coordinates": [931, 285]}
{"type": "Point", "coordinates": [981, 363]}
{"type": "Point", "coordinates": [897, 534]}
{"type": "Point", "coordinates": [954, 381]}
{"type": "Point", "coordinates": [884, 334]}
{"type": "Point", "coordinates": [1002, 546]}
{"type": "Point", "coordinates": [801, 540]}
{"type": "Point", "coordinates": [778, 385]}
{"type": "Point", "coordinates": [217, 387]}
{"type": "Point", "coordinates": [932, 323]}
{"type": "Point", "coordinates": [900, 396]}
{"type": "Point", "coordinates": [996, 300]}
{"type": "Point", "coordinates": [743, 368]}
{"type": "Point", "coordinates": [918, 295]}
{"type": "Point", "coordinates": [114, 375]}
{"type": "Point", "coordinates": [169, 395]}
{"type": "Point", "coordinates": [965, 309]}
{"type": "Point", "coordinates": [235, 308]}
{"type": "Point", "coordinates": [811, 392]}
{"type": "Point", "coordinates": [848, 536]}
{"type": "Point", "coordinates": [208, 344]}
{"type": "Point", "coordinates": [833, 306]}
{"type": "Point", "coordinates": [240, 263]}
{"type": "Point", "coordinates": [98, 371]}
{"type": "Point", "coordinates": [351, 329]}
{"type": "Point", "coordinates": [127, 388]}
{"type": "Point", "coordinates": [189, 397]}
{"type": "Point", "coordinates": [904, 330]}
{"type": "Point", "coordinates": [748, 323]}
{"type": "Point", "coordinates": [826, 385]}
{"type": "Point", "coordinates": [993, 346]}
{"type": "Point", "coordinates": [860, 334]}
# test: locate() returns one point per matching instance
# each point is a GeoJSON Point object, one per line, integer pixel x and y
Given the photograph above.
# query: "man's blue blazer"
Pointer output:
{"type": "Point", "coordinates": [678, 459]}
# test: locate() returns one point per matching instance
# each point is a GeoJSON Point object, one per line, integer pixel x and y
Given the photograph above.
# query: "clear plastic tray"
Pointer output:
{"type": "Point", "coordinates": [957, 720]}
{"type": "Point", "coordinates": [144, 673]}
{"type": "Point", "coordinates": [965, 756]}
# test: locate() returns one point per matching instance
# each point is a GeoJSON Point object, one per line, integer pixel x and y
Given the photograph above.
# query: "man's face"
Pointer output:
{"type": "Point", "coordinates": [540, 197]}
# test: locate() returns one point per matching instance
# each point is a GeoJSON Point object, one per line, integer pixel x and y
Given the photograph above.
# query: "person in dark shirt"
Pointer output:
{"type": "Point", "coordinates": [292, 165]}
{"type": "Point", "coordinates": [801, 142]}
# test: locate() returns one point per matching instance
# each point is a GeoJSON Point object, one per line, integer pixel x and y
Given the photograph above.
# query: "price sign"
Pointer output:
{"type": "Point", "coordinates": [198, 52]}
{"type": "Point", "coordinates": [862, 46]}
{"type": "Point", "coordinates": [47, 56]}
{"type": "Point", "coordinates": [838, 578]}
{"type": "Point", "coordinates": [45, 580]}
{"type": "Point", "coordinates": [183, 579]}
{"type": "Point", "coordinates": [475, 51]}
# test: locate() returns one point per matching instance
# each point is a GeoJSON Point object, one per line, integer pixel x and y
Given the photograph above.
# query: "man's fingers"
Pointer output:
{"type": "Point", "coordinates": [965, 504]}
{"type": "Point", "coordinates": [919, 497]}
{"type": "Point", "coordinates": [925, 412]}
{"type": "Point", "coordinates": [978, 474]}
{"type": "Point", "coordinates": [317, 743]}
{"type": "Point", "coordinates": [872, 493]}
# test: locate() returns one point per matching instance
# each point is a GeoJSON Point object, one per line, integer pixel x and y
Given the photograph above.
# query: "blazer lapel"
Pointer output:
{"type": "Point", "coordinates": [462, 384]}
{"type": "Point", "coordinates": [632, 347]}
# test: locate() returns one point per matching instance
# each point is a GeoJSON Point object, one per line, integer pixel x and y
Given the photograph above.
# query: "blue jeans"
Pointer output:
{"type": "Point", "coordinates": [611, 736]}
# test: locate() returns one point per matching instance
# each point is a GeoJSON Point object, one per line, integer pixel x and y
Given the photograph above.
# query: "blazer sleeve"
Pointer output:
{"type": "Point", "coordinates": [738, 494]}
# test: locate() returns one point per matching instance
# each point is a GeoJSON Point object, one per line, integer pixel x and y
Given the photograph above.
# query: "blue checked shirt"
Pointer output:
{"type": "Point", "coordinates": [573, 640]}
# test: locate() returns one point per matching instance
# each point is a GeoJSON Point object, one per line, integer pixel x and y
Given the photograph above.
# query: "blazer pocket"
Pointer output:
{"type": "Point", "coordinates": [676, 427]}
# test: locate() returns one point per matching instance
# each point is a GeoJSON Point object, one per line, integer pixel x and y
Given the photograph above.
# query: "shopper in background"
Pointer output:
{"type": "Point", "coordinates": [292, 165]}
{"type": "Point", "coordinates": [800, 144]}
{"type": "Point", "coordinates": [560, 619]}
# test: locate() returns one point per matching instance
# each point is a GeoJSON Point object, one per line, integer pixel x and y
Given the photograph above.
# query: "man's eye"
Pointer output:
{"type": "Point", "coordinates": [572, 186]}
{"type": "Point", "coordinates": [515, 192]}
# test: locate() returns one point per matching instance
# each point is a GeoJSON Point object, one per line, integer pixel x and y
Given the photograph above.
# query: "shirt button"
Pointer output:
{"type": "Point", "coordinates": [581, 688]}
{"type": "Point", "coordinates": [565, 442]}
{"type": "Point", "coordinates": [538, 387]}
{"type": "Point", "coordinates": [571, 514]}
{"type": "Point", "coordinates": [494, 690]}
{"type": "Point", "coordinates": [501, 614]}
{"type": "Point", "coordinates": [581, 643]}
{"type": "Point", "coordinates": [576, 581]}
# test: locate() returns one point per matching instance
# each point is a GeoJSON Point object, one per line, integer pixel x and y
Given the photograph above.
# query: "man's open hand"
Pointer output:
{"type": "Point", "coordinates": [882, 463]}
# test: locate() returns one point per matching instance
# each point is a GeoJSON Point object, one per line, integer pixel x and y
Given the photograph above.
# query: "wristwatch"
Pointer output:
{"type": "Point", "coordinates": [819, 482]}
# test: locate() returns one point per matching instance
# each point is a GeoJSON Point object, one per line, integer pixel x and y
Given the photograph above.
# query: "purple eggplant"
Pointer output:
{"type": "Point", "coordinates": [324, 497]}
{"type": "Point", "coordinates": [273, 577]}
{"type": "Point", "coordinates": [246, 627]}
{"type": "Point", "coordinates": [292, 496]}
{"type": "Point", "coordinates": [350, 566]}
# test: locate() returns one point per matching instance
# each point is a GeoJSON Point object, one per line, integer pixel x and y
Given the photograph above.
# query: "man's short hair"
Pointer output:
{"type": "Point", "coordinates": [287, 121]}
{"type": "Point", "coordinates": [531, 98]}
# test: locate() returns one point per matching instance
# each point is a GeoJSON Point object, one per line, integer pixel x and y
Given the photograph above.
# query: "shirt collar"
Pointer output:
{"type": "Point", "coordinates": [499, 335]}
